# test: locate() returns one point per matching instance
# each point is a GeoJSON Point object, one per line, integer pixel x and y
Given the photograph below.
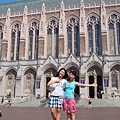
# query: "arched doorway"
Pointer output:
{"type": "Point", "coordinates": [49, 73]}
{"type": "Point", "coordinates": [91, 89]}
{"type": "Point", "coordinates": [30, 82]}
{"type": "Point", "coordinates": [10, 86]}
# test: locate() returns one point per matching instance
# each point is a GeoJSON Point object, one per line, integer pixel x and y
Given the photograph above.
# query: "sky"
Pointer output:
{"type": "Point", "coordinates": [8, 1]}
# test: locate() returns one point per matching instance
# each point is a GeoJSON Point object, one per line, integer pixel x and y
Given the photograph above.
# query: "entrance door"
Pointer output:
{"type": "Point", "coordinates": [77, 88]}
{"type": "Point", "coordinates": [100, 86]}
{"type": "Point", "coordinates": [91, 89]}
{"type": "Point", "coordinates": [47, 80]}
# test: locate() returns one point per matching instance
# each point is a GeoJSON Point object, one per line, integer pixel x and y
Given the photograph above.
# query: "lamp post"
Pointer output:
{"type": "Point", "coordinates": [80, 64]}
{"type": "Point", "coordinates": [59, 60]}
{"type": "Point", "coordinates": [103, 64]}
{"type": "Point", "coordinates": [17, 77]}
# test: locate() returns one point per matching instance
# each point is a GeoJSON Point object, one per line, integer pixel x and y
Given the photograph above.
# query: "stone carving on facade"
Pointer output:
{"type": "Point", "coordinates": [28, 81]}
{"type": "Point", "coordinates": [42, 21]}
{"type": "Point", "coordinates": [114, 18]}
{"type": "Point", "coordinates": [82, 16]}
{"type": "Point", "coordinates": [72, 21]}
{"type": "Point", "coordinates": [34, 25]}
{"type": "Point", "coordinates": [114, 72]}
{"type": "Point", "coordinates": [103, 15]}
{"type": "Point", "coordinates": [11, 82]}
{"type": "Point", "coordinates": [16, 27]}
{"type": "Point", "coordinates": [92, 73]}
{"type": "Point", "coordinates": [48, 74]}
{"type": "Point", "coordinates": [62, 19]}
{"type": "Point", "coordinates": [93, 20]}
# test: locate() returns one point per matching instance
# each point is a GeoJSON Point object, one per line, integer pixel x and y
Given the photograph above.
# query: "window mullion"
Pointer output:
{"type": "Point", "coordinates": [33, 45]}
{"type": "Point", "coordinates": [15, 46]}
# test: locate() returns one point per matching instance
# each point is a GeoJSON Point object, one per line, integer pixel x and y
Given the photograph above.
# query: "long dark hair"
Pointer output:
{"type": "Point", "coordinates": [65, 76]}
{"type": "Point", "coordinates": [73, 72]}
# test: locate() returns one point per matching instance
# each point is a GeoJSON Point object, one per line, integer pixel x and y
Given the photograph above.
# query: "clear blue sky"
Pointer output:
{"type": "Point", "coordinates": [8, 1]}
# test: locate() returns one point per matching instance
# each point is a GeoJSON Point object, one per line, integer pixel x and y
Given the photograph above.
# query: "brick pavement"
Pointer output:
{"type": "Point", "coordinates": [43, 113]}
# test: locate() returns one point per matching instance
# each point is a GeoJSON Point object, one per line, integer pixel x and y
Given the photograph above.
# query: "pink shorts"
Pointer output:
{"type": "Point", "coordinates": [69, 105]}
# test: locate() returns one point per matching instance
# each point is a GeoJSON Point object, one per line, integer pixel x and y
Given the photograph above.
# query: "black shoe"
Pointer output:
{"type": "Point", "coordinates": [0, 114]}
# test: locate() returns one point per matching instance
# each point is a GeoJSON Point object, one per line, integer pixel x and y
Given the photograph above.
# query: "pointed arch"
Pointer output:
{"type": "Point", "coordinates": [33, 32]}
{"type": "Point", "coordinates": [73, 41]}
{"type": "Point", "coordinates": [52, 36]}
{"type": "Point", "coordinates": [93, 34]}
{"type": "Point", "coordinates": [15, 40]}
{"type": "Point", "coordinates": [29, 81]}
{"type": "Point", "coordinates": [113, 22]}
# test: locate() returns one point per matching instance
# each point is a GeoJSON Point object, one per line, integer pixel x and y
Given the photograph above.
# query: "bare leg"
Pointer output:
{"type": "Point", "coordinates": [68, 116]}
{"type": "Point", "coordinates": [58, 111]}
{"type": "Point", "coordinates": [72, 116]}
{"type": "Point", "coordinates": [53, 113]}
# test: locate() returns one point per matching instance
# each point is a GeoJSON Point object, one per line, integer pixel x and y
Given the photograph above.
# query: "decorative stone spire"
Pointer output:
{"type": "Point", "coordinates": [62, 19]}
{"type": "Point", "coordinates": [42, 21]}
{"type": "Point", "coordinates": [24, 23]}
{"type": "Point", "coordinates": [82, 16]}
{"type": "Point", "coordinates": [103, 16]}
{"type": "Point", "coordinates": [7, 24]}
{"type": "Point", "coordinates": [25, 13]}
{"type": "Point", "coordinates": [43, 11]}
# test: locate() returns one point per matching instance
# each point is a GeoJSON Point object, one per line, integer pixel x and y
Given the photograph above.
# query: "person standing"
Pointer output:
{"type": "Point", "coordinates": [56, 98]}
{"type": "Point", "coordinates": [89, 102]}
{"type": "Point", "coordinates": [0, 114]}
{"type": "Point", "coordinates": [69, 102]}
{"type": "Point", "coordinates": [2, 101]}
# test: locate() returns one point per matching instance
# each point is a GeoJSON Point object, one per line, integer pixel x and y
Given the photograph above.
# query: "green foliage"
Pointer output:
{"type": "Point", "coordinates": [8, 95]}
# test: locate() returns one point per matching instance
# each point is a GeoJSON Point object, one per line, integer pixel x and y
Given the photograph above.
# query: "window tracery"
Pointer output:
{"type": "Point", "coordinates": [73, 36]}
{"type": "Point", "coordinates": [15, 37]}
{"type": "Point", "coordinates": [52, 38]}
{"type": "Point", "coordinates": [33, 40]}
{"type": "Point", "coordinates": [94, 41]}
{"type": "Point", "coordinates": [114, 33]}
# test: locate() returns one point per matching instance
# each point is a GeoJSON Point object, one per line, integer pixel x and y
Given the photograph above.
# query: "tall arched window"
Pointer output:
{"type": "Point", "coordinates": [52, 38]}
{"type": "Point", "coordinates": [33, 40]}
{"type": "Point", "coordinates": [73, 36]}
{"type": "Point", "coordinates": [118, 36]}
{"type": "Point", "coordinates": [94, 41]}
{"type": "Point", "coordinates": [114, 34]}
{"type": "Point", "coordinates": [49, 41]}
{"type": "Point", "coordinates": [56, 41]}
{"type": "Point", "coordinates": [15, 42]}
{"type": "Point", "coordinates": [90, 38]}
{"type": "Point", "coordinates": [112, 39]}
{"type": "Point", "coordinates": [69, 36]}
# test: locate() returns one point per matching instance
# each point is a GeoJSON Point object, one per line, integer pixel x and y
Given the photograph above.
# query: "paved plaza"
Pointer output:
{"type": "Point", "coordinates": [43, 113]}
{"type": "Point", "coordinates": [102, 109]}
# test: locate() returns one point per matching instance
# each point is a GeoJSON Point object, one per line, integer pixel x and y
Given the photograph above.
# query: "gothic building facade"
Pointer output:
{"type": "Point", "coordinates": [37, 40]}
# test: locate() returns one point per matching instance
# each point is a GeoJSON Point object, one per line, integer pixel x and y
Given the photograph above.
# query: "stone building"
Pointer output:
{"type": "Point", "coordinates": [39, 37]}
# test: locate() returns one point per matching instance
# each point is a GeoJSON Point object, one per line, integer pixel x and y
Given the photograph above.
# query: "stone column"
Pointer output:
{"type": "Point", "coordinates": [95, 81]}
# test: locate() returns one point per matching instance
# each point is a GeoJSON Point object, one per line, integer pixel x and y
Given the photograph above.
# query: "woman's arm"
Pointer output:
{"type": "Point", "coordinates": [52, 81]}
{"type": "Point", "coordinates": [86, 85]}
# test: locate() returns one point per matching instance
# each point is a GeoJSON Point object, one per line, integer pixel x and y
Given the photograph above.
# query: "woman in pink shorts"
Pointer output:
{"type": "Point", "coordinates": [69, 102]}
